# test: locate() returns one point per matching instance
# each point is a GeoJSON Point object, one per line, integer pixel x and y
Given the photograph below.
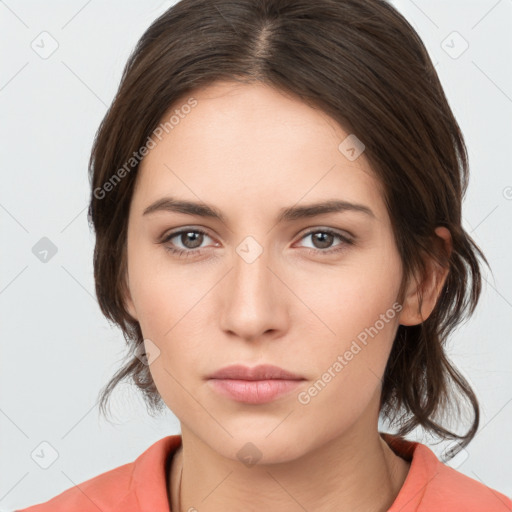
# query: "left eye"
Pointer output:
{"type": "Point", "coordinates": [195, 237]}
{"type": "Point", "coordinates": [325, 238]}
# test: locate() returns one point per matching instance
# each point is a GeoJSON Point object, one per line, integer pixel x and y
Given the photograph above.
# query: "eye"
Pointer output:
{"type": "Point", "coordinates": [190, 238]}
{"type": "Point", "coordinates": [323, 238]}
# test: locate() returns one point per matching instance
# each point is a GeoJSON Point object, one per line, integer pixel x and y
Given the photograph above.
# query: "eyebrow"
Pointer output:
{"type": "Point", "coordinates": [170, 204]}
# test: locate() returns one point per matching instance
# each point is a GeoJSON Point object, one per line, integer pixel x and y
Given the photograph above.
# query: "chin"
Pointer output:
{"type": "Point", "coordinates": [256, 446]}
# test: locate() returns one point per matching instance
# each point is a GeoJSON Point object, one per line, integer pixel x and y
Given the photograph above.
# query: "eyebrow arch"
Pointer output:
{"type": "Point", "coordinates": [288, 214]}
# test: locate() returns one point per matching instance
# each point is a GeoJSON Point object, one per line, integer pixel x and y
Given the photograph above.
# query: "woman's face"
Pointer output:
{"type": "Point", "coordinates": [261, 287]}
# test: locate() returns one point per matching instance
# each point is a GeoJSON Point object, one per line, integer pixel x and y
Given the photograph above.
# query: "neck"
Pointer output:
{"type": "Point", "coordinates": [349, 473]}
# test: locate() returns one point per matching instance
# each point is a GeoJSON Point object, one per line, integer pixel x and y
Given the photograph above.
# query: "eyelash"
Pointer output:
{"type": "Point", "coordinates": [186, 253]}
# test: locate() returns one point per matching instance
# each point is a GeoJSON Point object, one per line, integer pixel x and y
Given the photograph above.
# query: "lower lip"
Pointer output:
{"type": "Point", "coordinates": [254, 391]}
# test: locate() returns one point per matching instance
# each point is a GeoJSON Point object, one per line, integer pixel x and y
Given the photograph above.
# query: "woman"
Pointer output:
{"type": "Point", "coordinates": [276, 193]}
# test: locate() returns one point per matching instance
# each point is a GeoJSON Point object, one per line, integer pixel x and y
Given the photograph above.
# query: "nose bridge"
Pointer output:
{"type": "Point", "coordinates": [251, 275]}
{"type": "Point", "coordinates": [251, 306]}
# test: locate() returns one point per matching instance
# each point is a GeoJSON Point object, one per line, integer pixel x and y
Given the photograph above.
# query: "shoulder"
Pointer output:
{"type": "Point", "coordinates": [432, 485]}
{"type": "Point", "coordinates": [119, 489]}
{"type": "Point", "coordinates": [101, 492]}
{"type": "Point", "coordinates": [451, 490]}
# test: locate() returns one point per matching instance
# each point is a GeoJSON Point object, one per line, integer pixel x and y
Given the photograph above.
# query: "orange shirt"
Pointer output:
{"type": "Point", "coordinates": [141, 485]}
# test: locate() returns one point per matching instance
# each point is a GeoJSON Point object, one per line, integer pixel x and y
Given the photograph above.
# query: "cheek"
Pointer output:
{"type": "Point", "coordinates": [351, 296]}
{"type": "Point", "coordinates": [170, 303]}
{"type": "Point", "coordinates": [170, 316]}
{"type": "Point", "coordinates": [166, 316]}
{"type": "Point", "coordinates": [351, 363]}
{"type": "Point", "coordinates": [355, 316]}
{"type": "Point", "coordinates": [159, 290]}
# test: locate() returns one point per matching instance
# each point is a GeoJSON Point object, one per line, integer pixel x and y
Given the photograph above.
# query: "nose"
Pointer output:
{"type": "Point", "coordinates": [254, 300]}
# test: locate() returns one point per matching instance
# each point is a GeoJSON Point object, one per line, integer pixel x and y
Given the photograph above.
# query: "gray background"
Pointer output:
{"type": "Point", "coordinates": [57, 350]}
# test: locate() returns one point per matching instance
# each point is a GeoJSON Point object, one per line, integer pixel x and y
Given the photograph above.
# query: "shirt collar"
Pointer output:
{"type": "Point", "coordinates": [148, 485]}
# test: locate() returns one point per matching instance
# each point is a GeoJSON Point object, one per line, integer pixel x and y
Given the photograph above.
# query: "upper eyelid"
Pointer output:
{"type": "Point", "coordinates": [180, 231]}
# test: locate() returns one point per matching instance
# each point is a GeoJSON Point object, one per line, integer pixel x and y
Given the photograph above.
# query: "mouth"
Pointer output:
{"type": "Point", "coordinates": [258, 385]}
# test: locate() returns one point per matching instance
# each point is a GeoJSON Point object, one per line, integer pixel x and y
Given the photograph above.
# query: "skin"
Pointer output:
{"type": "Point", "coordinates": [249, 150]}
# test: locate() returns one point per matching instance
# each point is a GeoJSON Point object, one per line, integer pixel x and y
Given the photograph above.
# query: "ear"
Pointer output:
{"type": "Point", "coordinates": [412, 312]}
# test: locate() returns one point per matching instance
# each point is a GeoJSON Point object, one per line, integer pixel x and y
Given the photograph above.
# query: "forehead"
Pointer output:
{"type": "Point", "coordinates": [253, 147]}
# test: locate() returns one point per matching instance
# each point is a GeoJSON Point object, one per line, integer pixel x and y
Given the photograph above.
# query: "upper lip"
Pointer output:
{"type": "Point", "coordinates": [260, 372]}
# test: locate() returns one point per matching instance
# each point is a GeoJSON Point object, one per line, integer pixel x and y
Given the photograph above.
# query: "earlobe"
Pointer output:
{"type": "Point", "coordinates": [414, 312]}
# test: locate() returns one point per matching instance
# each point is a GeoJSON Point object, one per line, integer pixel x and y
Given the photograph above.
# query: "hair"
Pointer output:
{"type": "Point", "coordinates": [361, 63]}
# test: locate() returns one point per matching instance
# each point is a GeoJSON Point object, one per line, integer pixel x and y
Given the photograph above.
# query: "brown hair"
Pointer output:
{"type": "Point", "coordinates": [363, 64]}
